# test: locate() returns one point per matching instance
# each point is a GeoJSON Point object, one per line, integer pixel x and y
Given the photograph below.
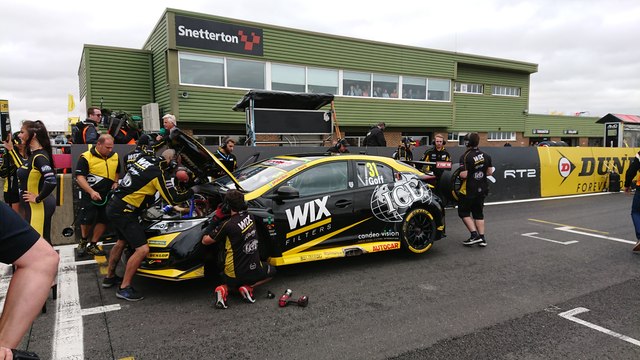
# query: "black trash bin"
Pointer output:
{"type": "Point", "coordinates": [614, 182]}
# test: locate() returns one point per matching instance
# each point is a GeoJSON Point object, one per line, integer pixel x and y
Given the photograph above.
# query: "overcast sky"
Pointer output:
{"type": "Point", "coordinates": [587, 51]}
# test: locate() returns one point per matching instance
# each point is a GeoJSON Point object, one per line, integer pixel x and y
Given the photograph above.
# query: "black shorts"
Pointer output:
{"type": "Point", "coordinates": [471, 206]}
{"type": "Point", "coordinates": [16, 235]}
{"type": "Point", "coordinates": [265, 271]}
{"type": "Point", "coordinates": [127, 226]}
{"type": "Point", "coordinates": [91, 213]}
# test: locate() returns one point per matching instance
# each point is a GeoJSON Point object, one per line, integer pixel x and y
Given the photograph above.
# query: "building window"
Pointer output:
{"type": "Point", "coordinates": [385, 86]}
{"type": "Point", "coordinates": [322, 81]}
{"type": "Point", "coordinates": [438, 89]}
{"type": "Point", "coordinates": [245, 74]}
{"type": "Point", "coordinates": [456, 137]}
{"type": "Point", "coordinates": [356, 84]}
{"type": "Point", "coordinates": [505, 90]}
{"type": "Point", "coordinates": [501, 136]}
{"type": "Point", "coordinates": [414, 88]}
{"type": "Point", "coordinates": [287, 78]}
{"type": "Point", "coordinates": [468, 88]}
{"type": "Point", "coordinates": [201, 70]}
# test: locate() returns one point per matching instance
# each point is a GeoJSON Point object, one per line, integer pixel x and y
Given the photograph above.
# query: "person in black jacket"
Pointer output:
{"type": "Point", "coordinates": [8, 170]}
{"type": "Point", "coordinates": [226, 157]}
{"type": "Point", "coordinates": [375, 136]}
{"type": "Point", "coordinates": [236, 229]}
{"type": "Point", "coordinates": [436, 153]}
{"type": "Point", "coordinates": [86, 132]}
{"type": "Point", "coordinates": [136, 192]}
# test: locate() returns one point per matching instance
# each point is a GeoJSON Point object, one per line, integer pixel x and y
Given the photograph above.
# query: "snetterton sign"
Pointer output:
{"type": "Point", "coordinates": [213, 35]}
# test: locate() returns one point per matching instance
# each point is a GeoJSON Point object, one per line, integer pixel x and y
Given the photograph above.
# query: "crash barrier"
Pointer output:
{"type": "Point", "coordinates": [521, 173]}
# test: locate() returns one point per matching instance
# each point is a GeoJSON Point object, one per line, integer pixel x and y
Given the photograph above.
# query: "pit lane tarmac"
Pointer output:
{"type": "Point", "coordinates": [514, 299]}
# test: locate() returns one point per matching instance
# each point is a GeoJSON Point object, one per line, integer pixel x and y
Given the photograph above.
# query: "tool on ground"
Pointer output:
{"type": "Point", "coordinates": [302, 301]}
{"type": "Point", "coordinates": [282, 302]}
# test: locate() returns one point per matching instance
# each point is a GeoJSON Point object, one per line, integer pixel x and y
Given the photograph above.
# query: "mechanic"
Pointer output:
{"type": "Point", "coordinates": [340, 147]}
{"type": "Point", "coordinates": [136, 192]}
{"type": "Point", "coordinates": [436, 153]}
{"type": "Point", "coordinates": [9, 171]}
{"type": "Point", "coordinates": [375, 136]}
{"type": "Point", "coordinates": [635, 205]}
{"type": "Point", "coordinates": [86, 132]}
{"type": "Point", "coordinates": [226, 157]}
{"type": "Point", "coordinates": [235, 228]}
{"type": "Point", "coordinates": [475, 166]}
{"type": "Point", "coordinates": [35, 267]}
{"type": "Point", "coordinates": [404, 153]}
{"type": "Point", "coordinates": [143, 148]}
{"type": "Point", "coordinates": [96, 174]}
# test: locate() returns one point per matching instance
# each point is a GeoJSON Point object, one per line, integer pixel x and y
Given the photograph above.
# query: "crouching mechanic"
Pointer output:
{"type": "Point", "coordinates": [242, 266]}
{"type": "Point", "coordinates": [136, 192]}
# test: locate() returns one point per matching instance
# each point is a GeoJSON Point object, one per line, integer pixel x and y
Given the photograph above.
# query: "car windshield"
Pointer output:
{"type": "Point", "coordinates": [254, 176]}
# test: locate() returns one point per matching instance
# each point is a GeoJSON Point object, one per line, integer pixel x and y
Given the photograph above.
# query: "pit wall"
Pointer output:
{"type": "Point", "coordinates": [521, 172]}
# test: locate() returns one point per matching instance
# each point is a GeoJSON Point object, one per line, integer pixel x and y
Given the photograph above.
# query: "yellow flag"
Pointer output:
{"type": "Point", "coordinates": [72, 104]}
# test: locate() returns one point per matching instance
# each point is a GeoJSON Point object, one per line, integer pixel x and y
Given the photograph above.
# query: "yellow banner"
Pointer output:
{"type": "Point", "coordinates": [4, 106]}
{"type": "Point", "coordinates": [71, 104]}
{"type": "Point", "coordinates": [575, 170]}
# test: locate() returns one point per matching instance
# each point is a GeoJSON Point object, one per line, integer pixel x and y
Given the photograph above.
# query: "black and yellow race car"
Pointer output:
{"type": "Point", "coordinates": [308, 207]}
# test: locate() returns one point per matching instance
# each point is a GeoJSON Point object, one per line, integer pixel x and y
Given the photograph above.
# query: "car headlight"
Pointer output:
{"type": "Point", "coordinates": [171, 226]}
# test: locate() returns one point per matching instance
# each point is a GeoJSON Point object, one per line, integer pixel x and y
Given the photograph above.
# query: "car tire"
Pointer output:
{"type": "Point", "coordinates": [418, 231]}
{"type": "Point", "coordinates": [449, 186]}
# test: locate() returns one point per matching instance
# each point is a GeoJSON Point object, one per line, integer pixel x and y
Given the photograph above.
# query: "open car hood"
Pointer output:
{"type": "Point", "coordinates": [197, 158]}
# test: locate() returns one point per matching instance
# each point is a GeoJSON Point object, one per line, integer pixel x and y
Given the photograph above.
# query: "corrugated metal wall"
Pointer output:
{"type": "Point", "coordinates": [121, 78]}
{"type": "Point", "coordinates": [486, 112]}
{"type": "Point", "coordinates": [556, 124]}
{"type": "Point", "coordinates": [158, 43]}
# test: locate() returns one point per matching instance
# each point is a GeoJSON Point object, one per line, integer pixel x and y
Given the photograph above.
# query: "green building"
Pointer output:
{"type": "Point", "coordinates": [198, 66]}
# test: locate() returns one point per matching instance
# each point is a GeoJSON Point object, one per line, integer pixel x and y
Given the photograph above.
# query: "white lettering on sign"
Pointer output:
{"type": "Point", "coordinates": [310, 212]}
{"type": "Point", "coordinates": [207, 35]}
{"type": "Point", "coordinates": [520, 173]}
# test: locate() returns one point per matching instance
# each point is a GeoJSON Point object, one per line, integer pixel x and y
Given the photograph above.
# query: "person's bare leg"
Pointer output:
{"type": "Point", "coordinates": [133, 264]}
{"type": "Point", "coordinates": [480, 226]}
{"type": "Point", "coordinates": [114, 257]}
{"type": "Point", "coordinates": [28, 291]}
{"type": "Point", "coordinates": [98, 230]}
{"type": "Point", "coordinates": [84, 230]}
{"type": "Point", "coordinates": [469, 223]}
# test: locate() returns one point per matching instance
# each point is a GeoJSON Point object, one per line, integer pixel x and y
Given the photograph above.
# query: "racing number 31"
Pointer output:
{"type": "Point", "coordinates": [373, 169]}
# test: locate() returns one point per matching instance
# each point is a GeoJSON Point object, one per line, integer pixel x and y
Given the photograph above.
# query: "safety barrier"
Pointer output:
{"type": "Point", "coordinates": [521, 173]}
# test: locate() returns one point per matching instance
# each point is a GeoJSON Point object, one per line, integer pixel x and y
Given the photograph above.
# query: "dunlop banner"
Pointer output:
{"type": "Point", "coordinates": [574, 170]}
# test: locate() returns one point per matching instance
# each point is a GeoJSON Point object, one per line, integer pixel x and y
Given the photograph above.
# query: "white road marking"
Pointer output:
{"type": "Point", "coordinates": [85, 262]}
{"type": "Point", "coordinates": [532, 235]}
{"type": "Point", "coordinates": [546, 198]}
{"type": "Point", "coordinates": [100, 309]}
{"type": "Point", "coordinates": [571, 229]}
{"type": "Point", "coordinates": [570, 315]}
{"type": "Point", "coordinates": [68, 341]}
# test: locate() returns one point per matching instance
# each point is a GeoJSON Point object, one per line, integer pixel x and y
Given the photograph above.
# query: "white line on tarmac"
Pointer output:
{"type": "Point", "coordinates": [571, 229]}
{"type": "Point", "coordinates": [570, 315]}
{"type": "Point", "coordinates": [532, 235]}
{"type": "Point", "coordinates": [546, 198]}
{"type": "Point", "coordinates": [68, 341]}
{"type": "Point", "coordinates": [85, 262]}
{"type": "Point", "coordinates": [100, 309]}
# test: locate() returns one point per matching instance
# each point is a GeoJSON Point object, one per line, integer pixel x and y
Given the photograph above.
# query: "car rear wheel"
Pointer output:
{"type": "Point", "coordinates": [418, 231]}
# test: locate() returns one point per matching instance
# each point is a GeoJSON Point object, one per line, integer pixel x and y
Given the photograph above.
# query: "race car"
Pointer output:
{"type": "Point", "coordinates": [308, 207]}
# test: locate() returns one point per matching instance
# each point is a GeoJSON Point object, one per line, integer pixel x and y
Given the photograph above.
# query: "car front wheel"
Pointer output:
{"type": "Point", "coordinates": [418, 231]}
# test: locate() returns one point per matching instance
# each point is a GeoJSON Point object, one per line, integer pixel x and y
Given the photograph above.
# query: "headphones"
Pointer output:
{"type": "Point", "coordinates": [226, 140]}
{"type": "Point", "coordinates": [444, 140]}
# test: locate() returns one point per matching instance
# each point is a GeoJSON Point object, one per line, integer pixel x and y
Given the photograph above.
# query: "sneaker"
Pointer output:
{"type": "Point", "coordinates": [471, 241]}
{"type": "Point", "coordinates": [221, 297]}
{"type": "Point", "coordinates": [81, 250]}
{"type": "Point", "coordinates": [93, 249]}
{"type": "Point", "coordinates": [109, 282]}
{"type": "Point", "coordinates": [483, 243]}
{"type": "Point", "coordinates": [247, 293]}
{"type": "Point", "coordinates": [637, 247]}
{"type": "Point", "coordinates": [129, 294]}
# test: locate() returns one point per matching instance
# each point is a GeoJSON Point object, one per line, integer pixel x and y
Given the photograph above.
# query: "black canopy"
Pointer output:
{"type": "Point", "coordinates": [263, 99]}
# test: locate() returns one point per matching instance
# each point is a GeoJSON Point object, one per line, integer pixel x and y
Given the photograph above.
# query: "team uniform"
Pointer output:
{"type": "Point", "coordinates": [242, 260]}
{"type": "Point", "coordinates": [37, 176]}
{"type": "Point", "coordinates": [9, 171]}
{"type": "Point", "coordinates": [229, 161]}
{"type": "Point", "coordinates": [16, 236]}
{"type": "Point", "coordinates": [403, 153]}
{"type": "Point", "coordinates": [101, 173]}
{"type": "Point", "coordinates": [136, 192]}
{"type": "Point", "coordinates": [475, 187]}
{"type": "Point", "coordinates": [133, 156]}
{"type": "Point", "coordinates": [434, 155]}
{"type": "Point", "coordinates": [635, 204]}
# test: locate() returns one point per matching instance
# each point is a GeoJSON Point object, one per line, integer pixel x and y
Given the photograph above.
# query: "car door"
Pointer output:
{"type": "Point", "coordinates": [370, 176]}
{"type": "Point", "coordinates": [317, 218]}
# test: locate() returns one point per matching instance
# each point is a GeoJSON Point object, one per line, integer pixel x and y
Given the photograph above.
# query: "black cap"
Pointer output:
{"type": "Point", "coordinates": [143, 140]}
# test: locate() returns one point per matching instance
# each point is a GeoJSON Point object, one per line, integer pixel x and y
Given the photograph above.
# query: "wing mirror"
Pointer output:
{"type": "Point", "coordinates": [287, 192]}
